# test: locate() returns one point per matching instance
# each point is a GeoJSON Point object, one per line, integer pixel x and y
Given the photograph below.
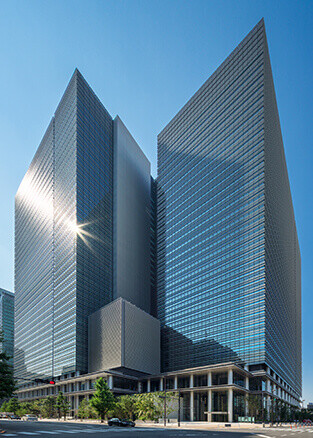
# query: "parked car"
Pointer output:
{"type": "Point", "coordinates": [29, 417]}
{"type": "Point", "coordinates": [121, 423]}
{"type": "Point", "coordinates": [14, 417]}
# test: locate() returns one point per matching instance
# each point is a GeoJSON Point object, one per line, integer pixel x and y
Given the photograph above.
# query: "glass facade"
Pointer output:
{"type": "Point", "coordinates": [7, 323]}
{"type": "Point", "coordinates": [220, 263]}
{"type": "Point", "coordinates": [64, 236]}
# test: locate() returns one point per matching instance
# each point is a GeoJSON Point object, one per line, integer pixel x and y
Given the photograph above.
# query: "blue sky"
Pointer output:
{"type": "Point", "coordinates": [144, 59]}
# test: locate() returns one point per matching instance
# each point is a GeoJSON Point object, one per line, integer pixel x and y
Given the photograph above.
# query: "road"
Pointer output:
{"type": "Point", "coordinates": [41, 429]}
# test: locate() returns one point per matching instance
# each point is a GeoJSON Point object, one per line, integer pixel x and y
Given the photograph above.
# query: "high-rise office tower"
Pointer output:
{"type": "Point", "coordinates": [82, 229]}
{"type": "Point", "coordinates": [229, 269]}
{"type": "Point", "coordinates": [7, 322]}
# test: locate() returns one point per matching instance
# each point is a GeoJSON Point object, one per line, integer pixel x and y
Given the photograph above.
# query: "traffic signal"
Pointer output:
{"type": "Point", "coordinates": [50, 382]}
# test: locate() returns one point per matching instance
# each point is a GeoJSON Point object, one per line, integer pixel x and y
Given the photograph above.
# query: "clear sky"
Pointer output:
{"type": "Point", "coordinates": [144, 60]}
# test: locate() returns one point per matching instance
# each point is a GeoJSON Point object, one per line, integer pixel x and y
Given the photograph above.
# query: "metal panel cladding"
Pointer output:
{"type": "Point", "coordinates": [213, 228]}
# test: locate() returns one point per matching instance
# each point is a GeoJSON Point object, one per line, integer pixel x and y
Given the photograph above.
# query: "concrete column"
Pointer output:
{"type": "Point", "coordinates": [191, 405]}
{"type": "Point", "coordinates": [139, 387]}
{"type": "Point", "coordinates": [209, 404]}
{"type": "Point", "coordinates": [230, 377]}
{"type": "Point", "coordinates": [210, 378]}
{"type": "Point", "coordinates": [246, 405]}
{"type": "Point", "coordinates": [148, 385]}
{"type": "Point", "coordinates": [175, 382]}
{"type": "Point", "coordinates": [268, 406]}
{"type": "Point", "coordinates": [76, 404]}
{"type": "Point", "coordinates": [161, 384]}
{"type": "Point", "coordinates": [110, 382]}
{"type": "Point", "coordinates": [230, 405]}
{"type": "Point", "coordinates": [191, 381]}
{"type": "Point", "coordinates": [247, 382]}
{"type": "Point", "coordinates": [268, 384]}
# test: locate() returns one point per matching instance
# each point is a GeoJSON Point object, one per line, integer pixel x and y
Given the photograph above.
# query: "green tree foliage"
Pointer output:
{"type": "Point", "coordinates": [146, 408]}
{"type": "Point", "coordinates": [4, 407]}
{"type": "Point", "coordinates": [7, 384]}
{"type": "Point", "coordinates": [255, 406]}
{"type": "Point", "coordinates": [103, 399]}
{"type": "Point", "coordinates": [48, 407]}
{"type": "Point", "coordinates": [84, 409]}
{"type": "Point", "coordinates": [150, 406]}
{"type": "Point", "coordinates": [62, 405]}
{"type": "Point", "coordinates": [13, 405]}
{"type": "Point", "coordinates": [126, 407]}
{"type": "Point", "coordinates": [303, 414]}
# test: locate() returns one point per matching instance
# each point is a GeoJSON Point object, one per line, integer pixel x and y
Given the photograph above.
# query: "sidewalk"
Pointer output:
{"type": "Point", "coordinates": [183, 425]}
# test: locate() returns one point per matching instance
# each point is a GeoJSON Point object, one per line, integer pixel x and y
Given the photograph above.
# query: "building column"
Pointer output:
{"type": "Point", "coordinates": [148, 385]}
{"type": "Point", "coordinates": [209, 404]}
{"type": "Point", "coordinates": [268, 407]}
{"type": "Point", "coordinates": [161, 384]}
{"type": "Point", "coordinates": [191, 381]}
{"type": "Point", "coordinates": [76, 404]}
{"type": "Point", "coordinates": [191, 405]}
{"type": "Point", "coordinates": [274, 389]}
{"type": "Point", "coordinates": [230, 405]}
{"type": "Point", "coordinates": [230, 377]}
{"type": "Point", "coordinates": [247, 383]}
{"type": "Point", "coordinates": [175, 382]}
{"type": "Point", "coordinates": [139, 387]}
{"type": "Point", "coordinates": [110, 382]}
{"type": "Point", "coordinates": [246, 405]}
{"type": "Point", "coordinates": [210, 378]}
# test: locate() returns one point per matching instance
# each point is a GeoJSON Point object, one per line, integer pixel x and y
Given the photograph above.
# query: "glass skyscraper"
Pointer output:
{"type": "Point", "coordinates": [64, 236]}
{"type": "Point", "coordinates": [82, 233]}
{"type": "Point", "coordinates": [7, 323]}
{"type": "Point", "coordinates": [229, 269]}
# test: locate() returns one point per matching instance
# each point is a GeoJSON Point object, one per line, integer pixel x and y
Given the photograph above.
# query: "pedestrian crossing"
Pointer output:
{"type": "Point", "coordinates": [63, 432]}
{"type": "Point", "coordinates": [69, 431]}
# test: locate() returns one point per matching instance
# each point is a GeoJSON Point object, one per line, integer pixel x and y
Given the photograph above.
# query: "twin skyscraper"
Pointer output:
{"type": "Point", "coordinates": [174, 282]}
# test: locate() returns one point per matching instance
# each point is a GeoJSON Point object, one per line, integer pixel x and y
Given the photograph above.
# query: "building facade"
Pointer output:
{"type": "Point", "coordinates": [82, 226]}
{"type": "Point", "coordinates": [229, 269]}
{"type": "Point", "coordinates": [209, 248]}
{"type": "Point", "coordinates": [7, 323]}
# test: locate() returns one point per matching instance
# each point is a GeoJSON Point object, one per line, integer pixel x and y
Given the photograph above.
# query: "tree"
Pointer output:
{"type": "Point", "coordinates": [83, 409]}
{"type": "Point", "coordinates": [62, 405]}
{"type": "Point", "coordinates": [48, 407]}
{"type": "Point", "coordinates": [4, 407]}
{"type": "Point", "coordinates": [146, 407]}
{"type": "Point", "coordinates": [170, 399]}
{"type": "Point", "coordinates": [13, 405]}
{"type": "Point", "coordinates": [103, 399]}
{"type": "Point", "coordinates": [125, 407]}
{"type": "Point", "coordinates": [7, 384]}
{"type": "Point", "coordinates": [254, 405]}
{"type": "Point", "coordinates": [150, 406]}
